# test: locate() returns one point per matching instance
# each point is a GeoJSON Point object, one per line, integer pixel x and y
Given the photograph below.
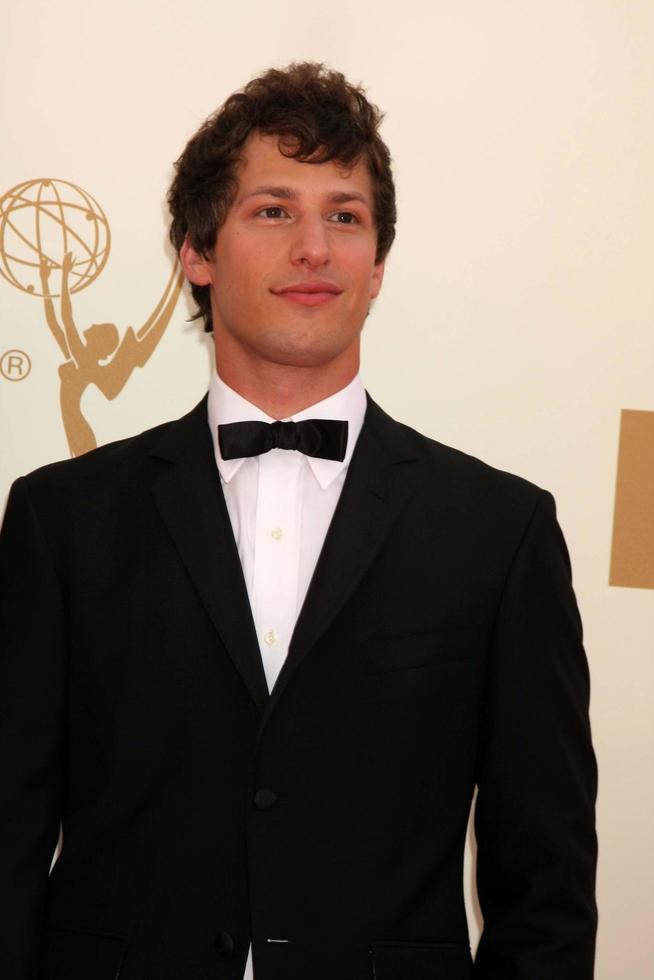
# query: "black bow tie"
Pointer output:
{"type": "Point", "coordinates": [325, 438]}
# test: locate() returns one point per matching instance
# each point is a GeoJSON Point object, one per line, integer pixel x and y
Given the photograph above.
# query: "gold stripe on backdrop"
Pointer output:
{"type": "Point", "coordinates": [632, 558]}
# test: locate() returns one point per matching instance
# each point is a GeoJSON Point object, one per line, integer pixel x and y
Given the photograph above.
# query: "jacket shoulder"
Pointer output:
{"type": "Point", "coordinates": [113, 461]}
{"type": "Point", "coordinates": [431, 465]}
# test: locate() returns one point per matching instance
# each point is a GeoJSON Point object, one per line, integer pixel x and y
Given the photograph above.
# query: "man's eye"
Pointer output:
{"type": "Point", "coordinates": [273, 211]}
{"type": "Point", "coordinates": [344, 218]}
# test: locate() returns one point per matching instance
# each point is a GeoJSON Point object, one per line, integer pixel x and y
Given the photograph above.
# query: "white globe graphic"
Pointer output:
{"type": "Point", "coordinates": [43, 219]}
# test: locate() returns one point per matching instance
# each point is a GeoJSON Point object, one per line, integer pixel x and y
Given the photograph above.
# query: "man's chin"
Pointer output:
{"type": "Point", "coordinates": [304, 351]}
{"type": "Point", "coordinates": [302, 357]}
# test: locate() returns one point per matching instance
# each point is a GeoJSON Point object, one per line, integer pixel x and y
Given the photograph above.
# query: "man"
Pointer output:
{"type": "Point", "coordinates": [257, 668]}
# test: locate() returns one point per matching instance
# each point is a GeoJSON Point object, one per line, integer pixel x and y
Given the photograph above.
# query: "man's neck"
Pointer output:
{"type": "Point", "coordinates": [284, 390]}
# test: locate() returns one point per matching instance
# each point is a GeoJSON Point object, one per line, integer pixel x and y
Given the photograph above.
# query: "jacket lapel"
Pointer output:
{"type": "Point", "coordinates": [190, 500]}
{"type": "Point", "coordinates": [373, 495]}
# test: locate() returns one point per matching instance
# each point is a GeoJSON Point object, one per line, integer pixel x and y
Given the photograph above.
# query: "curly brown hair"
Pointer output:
{"type": "Point", "coordinates": [317, 115]}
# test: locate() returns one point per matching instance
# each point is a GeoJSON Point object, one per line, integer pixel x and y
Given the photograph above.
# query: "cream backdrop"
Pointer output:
{"type": "Point", "coordinates": [516, 321]}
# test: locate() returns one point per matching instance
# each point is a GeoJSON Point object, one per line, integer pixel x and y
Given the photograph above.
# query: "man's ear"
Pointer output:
{"type": "Point", "coordinates": [376, 279]}
{"type": "Point", "coordinates": [196, 268]}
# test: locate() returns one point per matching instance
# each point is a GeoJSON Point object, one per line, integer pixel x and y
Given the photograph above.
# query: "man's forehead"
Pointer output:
{"type": "Point", "coordinates": [263, 165]}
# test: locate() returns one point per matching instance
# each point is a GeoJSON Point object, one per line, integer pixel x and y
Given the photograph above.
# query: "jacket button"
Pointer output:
{"type": "Point", "coordinates": [224, 944]}
{"type": "Point", "coordinates": [264, 799]}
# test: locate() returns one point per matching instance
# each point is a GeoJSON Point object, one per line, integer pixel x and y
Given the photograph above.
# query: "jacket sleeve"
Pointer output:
{"type": "Point", "coordinates": [537, 780]}
{"type": "Point", "coordinates": [32, 719]}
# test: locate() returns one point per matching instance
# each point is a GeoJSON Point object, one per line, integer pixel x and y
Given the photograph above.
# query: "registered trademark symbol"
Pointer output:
{"type": "Point", "coordinates": [15, 365]}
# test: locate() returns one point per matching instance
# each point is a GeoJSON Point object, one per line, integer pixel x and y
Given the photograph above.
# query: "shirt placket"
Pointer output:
{"type": "Point", "coordinates": [276, 556]}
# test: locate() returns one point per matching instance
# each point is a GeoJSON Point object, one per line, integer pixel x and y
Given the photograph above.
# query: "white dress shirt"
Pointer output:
{"type": "Point", "coordinates": [280, 505]}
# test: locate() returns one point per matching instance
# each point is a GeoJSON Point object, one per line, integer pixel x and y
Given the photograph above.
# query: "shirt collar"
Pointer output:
{"type": "Point", "coordinates": [226, 405]}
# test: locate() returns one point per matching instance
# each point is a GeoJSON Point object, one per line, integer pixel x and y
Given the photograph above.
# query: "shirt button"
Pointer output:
{"type": "Point", "coordinates": [270, 637]}
{"type": "Point", "coordinates": [264, 799]}
{"type": "Point", "coordinates": [277, 533]}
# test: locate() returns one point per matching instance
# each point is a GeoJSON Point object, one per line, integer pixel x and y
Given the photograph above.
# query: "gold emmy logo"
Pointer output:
{"type": "Point", "coordinates": [54, 241]}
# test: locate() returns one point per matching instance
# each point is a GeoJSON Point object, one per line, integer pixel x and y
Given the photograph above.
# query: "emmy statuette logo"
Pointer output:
{"type": "Point", "coordinates": [54, 242]}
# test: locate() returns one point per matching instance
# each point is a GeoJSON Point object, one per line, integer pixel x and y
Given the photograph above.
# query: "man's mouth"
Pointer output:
{"type": "Point", "coordinates": [314, 293]}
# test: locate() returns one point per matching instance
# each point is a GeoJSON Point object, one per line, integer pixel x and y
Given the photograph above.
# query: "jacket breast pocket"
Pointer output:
{"type": "Point", "coordinates": [420, 961]}
{"type": "Point", "coordinates": [387, 652]}
{"type": "Point", "coordinates": [72, 955]}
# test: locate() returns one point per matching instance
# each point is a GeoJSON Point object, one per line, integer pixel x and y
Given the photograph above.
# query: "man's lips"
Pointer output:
{"type": "Point", "coordinates": [313, 293]}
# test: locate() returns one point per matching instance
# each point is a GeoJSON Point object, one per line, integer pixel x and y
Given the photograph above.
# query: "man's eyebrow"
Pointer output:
{"type": "Point", "coordinates": [288, 194]}
{"type": "Point", "coordinates": [344, 197]}
{"type": "Point", "coordinates": [271, 190]}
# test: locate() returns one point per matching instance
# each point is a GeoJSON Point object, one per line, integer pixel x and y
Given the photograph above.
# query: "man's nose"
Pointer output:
{"type": "Point", "coordinates": [310, 245]}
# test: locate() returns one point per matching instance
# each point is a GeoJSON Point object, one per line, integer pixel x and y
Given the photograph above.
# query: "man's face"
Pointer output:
{"type": "Point", "coordinates": [293, 270]}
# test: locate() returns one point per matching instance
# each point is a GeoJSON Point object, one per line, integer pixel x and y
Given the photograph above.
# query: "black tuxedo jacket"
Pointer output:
{"type": "Point", "coordinates": [439, 649]}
